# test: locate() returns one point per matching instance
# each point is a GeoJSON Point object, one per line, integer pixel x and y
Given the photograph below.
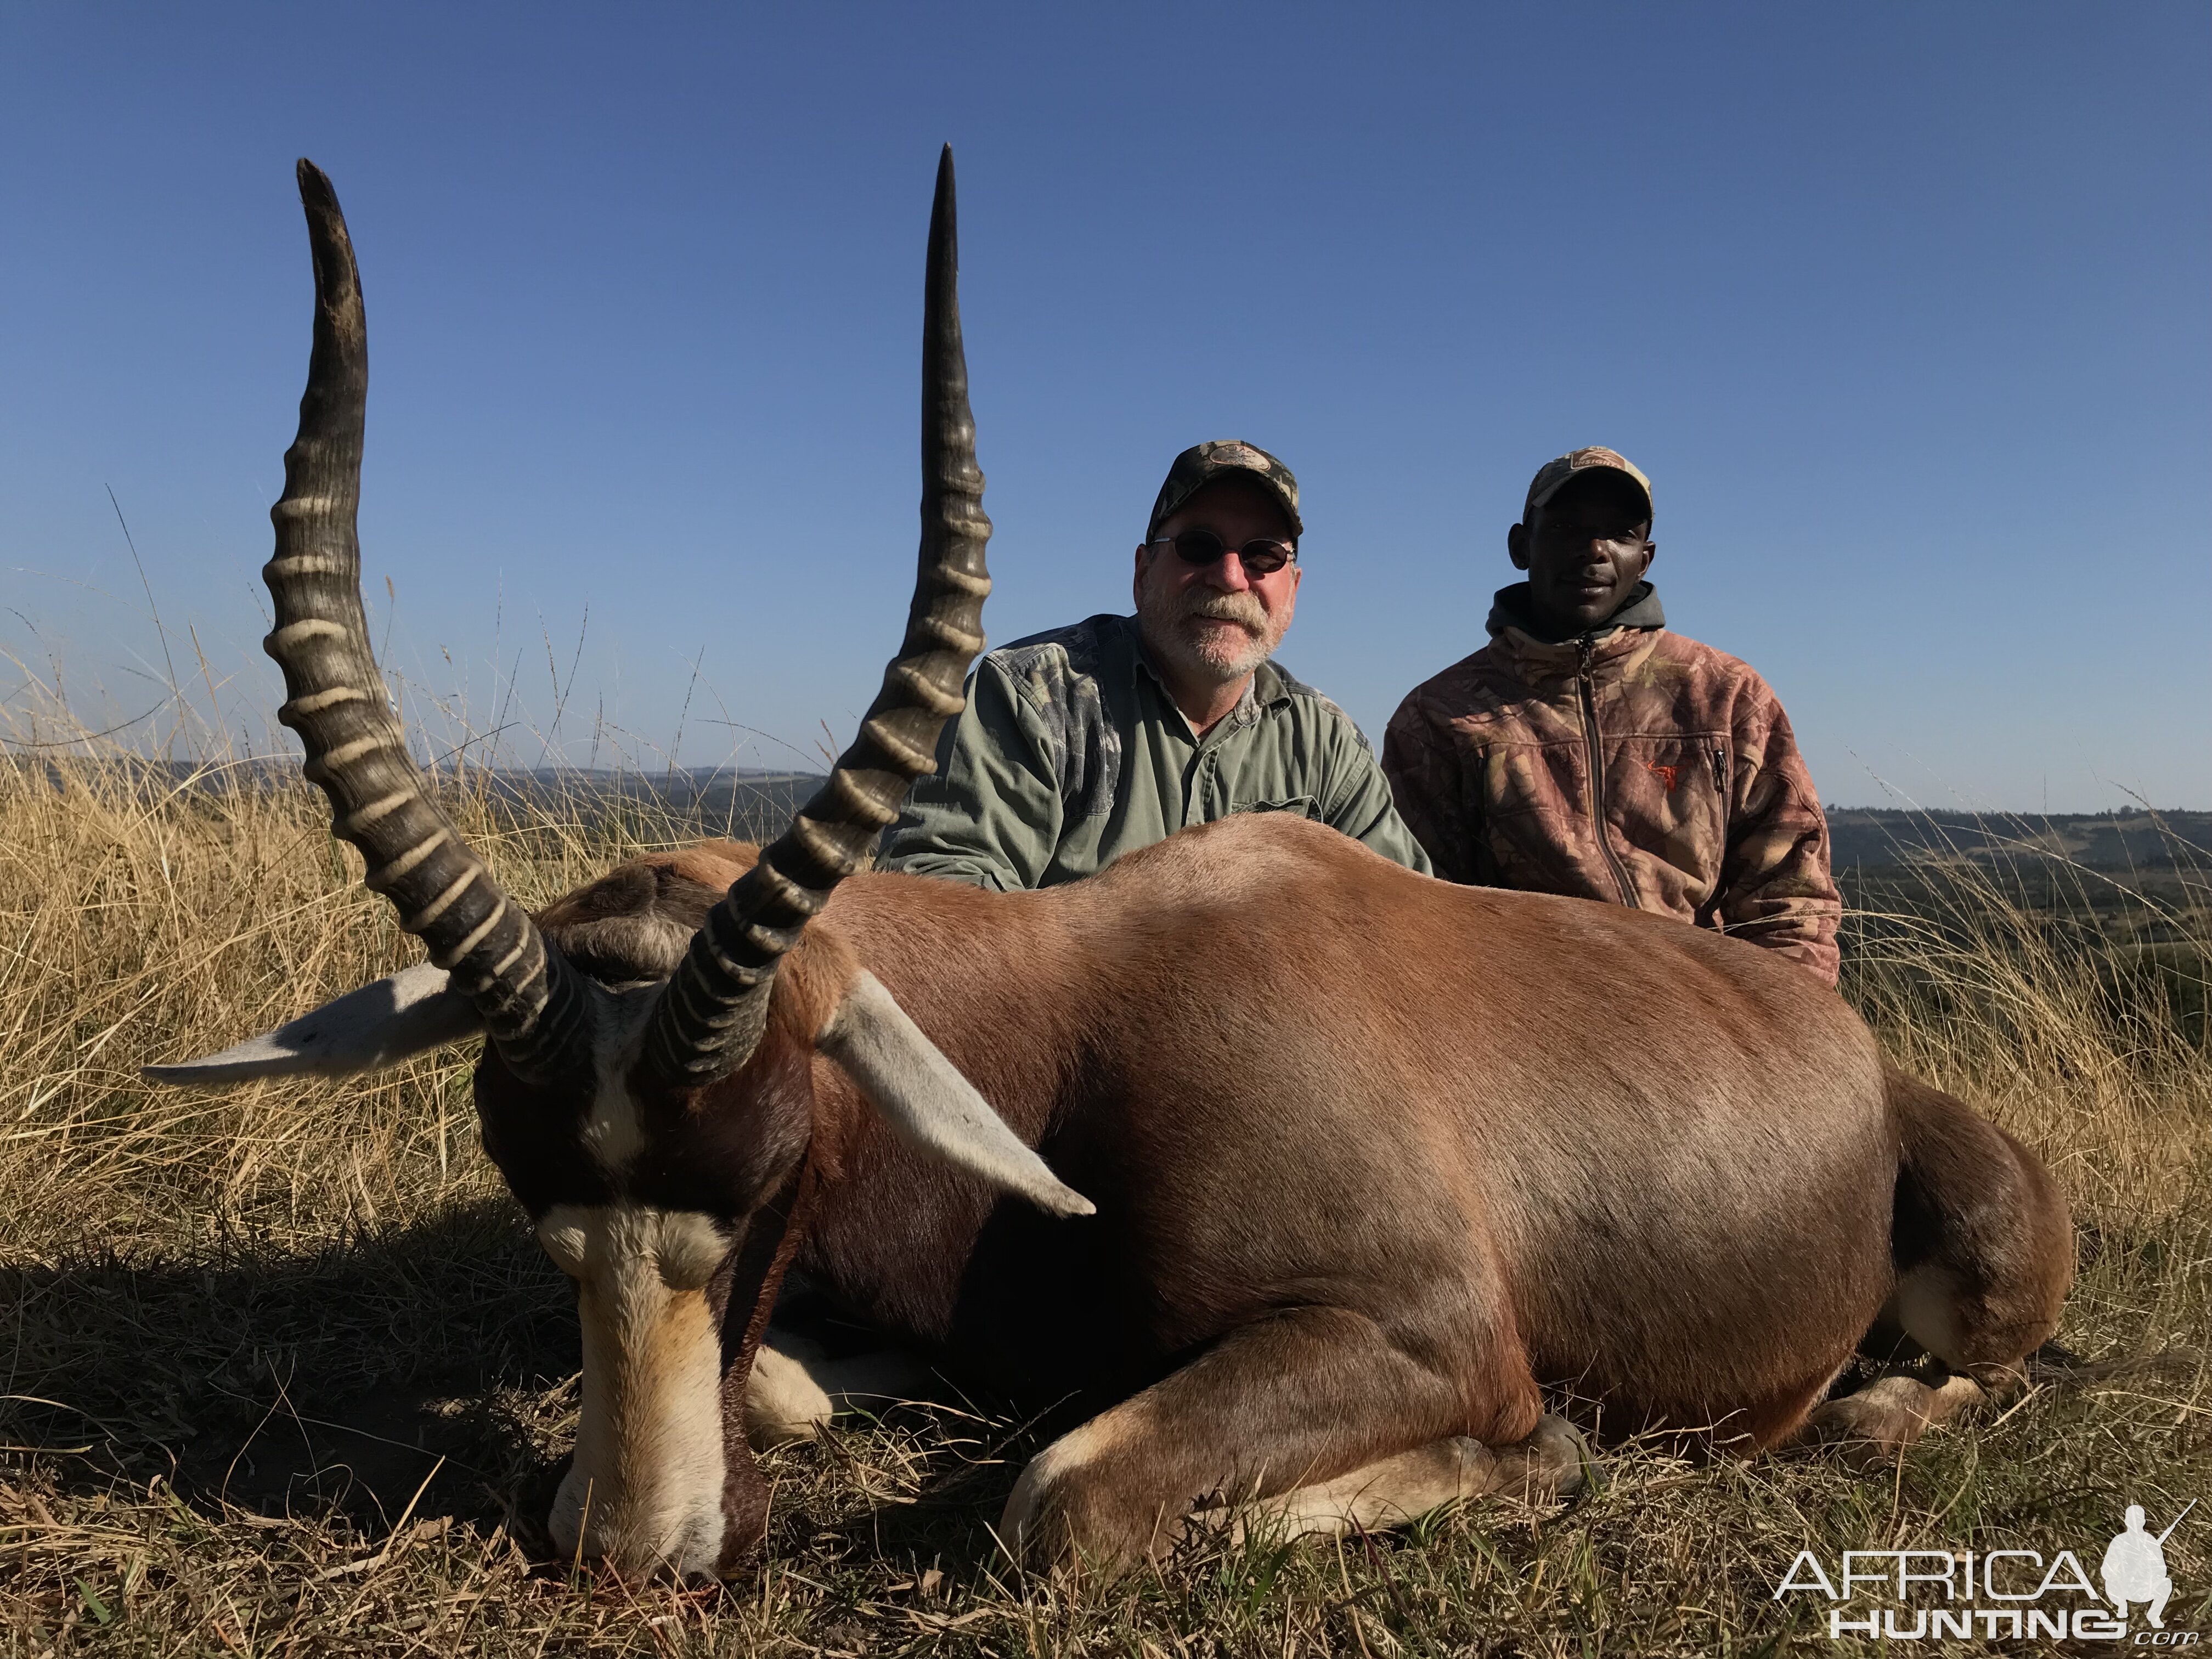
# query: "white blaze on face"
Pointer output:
{"type": "Point", "coordinates": [614, 1132]}
{"type": "Point", "coordinates": [645, 1492]}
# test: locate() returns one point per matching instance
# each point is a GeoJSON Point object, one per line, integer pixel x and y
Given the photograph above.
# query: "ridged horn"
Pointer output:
{"type": "Point", "coordinates": [711, 1014]}
{"type": "Point", "coordinates": [532, 1003]}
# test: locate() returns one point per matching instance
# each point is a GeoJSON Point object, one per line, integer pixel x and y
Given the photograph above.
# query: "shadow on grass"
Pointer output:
{"type": "Point", "coordinates": [281, 1383]}
{"type": "Point", "coordinates": [428, 1365]}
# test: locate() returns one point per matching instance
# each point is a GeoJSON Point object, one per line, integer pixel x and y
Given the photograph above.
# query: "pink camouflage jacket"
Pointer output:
{"type": "Point", "coordinates": [1633, 766]}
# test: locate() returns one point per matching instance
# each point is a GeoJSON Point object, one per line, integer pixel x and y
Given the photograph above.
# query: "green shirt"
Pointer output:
{"type": "Point", "coordinates": [1072, 753]}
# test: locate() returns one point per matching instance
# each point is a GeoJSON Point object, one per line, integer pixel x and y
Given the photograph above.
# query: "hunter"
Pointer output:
{"type": "Point", "coordinates": [1087, 742]}
{"type": "Point", "coordinates": [1588, 751]}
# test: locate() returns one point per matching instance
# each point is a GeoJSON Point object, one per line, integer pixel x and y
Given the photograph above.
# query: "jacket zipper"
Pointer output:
{"type": "Point", "coordinates": [1597, 778]}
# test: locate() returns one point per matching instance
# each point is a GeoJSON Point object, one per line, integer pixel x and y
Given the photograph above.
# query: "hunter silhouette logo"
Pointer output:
{"type": "Point", "coordinates": [2135, 1567]}
{"type": "Point", "coordinates": [2001, 1593]}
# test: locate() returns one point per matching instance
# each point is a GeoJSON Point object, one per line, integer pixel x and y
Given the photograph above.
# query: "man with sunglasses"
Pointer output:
{"type": "Point", "coordinates": [1590, 751]}
{"type": "Point", "coordinates": [1092, 740]}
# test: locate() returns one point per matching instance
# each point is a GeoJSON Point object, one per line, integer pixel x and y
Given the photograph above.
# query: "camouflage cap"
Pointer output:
{"type": "Point", "coordinates": [1553, 474]}
{"type": "Point", "coordinates": [1202, 464]}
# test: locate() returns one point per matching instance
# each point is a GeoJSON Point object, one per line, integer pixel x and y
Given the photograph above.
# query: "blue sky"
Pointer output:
{"type": "Point", "coordinates": [1903, 307]}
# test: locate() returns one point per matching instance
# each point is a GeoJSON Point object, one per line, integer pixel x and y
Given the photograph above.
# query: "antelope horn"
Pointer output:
{"type": "Point", "coordinates": [711, 1014]}
{"type": "Point", "coordinates": [532, 1001]}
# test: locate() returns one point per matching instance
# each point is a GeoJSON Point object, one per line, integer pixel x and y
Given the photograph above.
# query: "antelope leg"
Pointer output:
{"type": "Point", "coordinates": [1300, 1400]}
{"type": "Point", "coordinates": [1548, 1464]}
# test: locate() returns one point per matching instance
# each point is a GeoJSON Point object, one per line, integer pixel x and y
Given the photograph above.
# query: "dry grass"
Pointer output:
{"type": "Point", "coordinates": [283, 1373]}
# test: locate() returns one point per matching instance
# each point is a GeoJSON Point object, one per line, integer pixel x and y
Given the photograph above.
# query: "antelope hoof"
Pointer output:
{"type": "Point", "coordinates": [1550, 1464]}
{"type": "Point", "coordinates": [1871, 1428]}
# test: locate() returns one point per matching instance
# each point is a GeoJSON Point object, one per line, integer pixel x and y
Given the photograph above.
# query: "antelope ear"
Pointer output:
{"type": "Point", "coordinates": [364, 1030]}
{"type": "Point", "coordinates": [922, 1096]}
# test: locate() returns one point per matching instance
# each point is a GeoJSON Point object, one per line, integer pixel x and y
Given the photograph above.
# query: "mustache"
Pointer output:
{"type": "Point", "coordinates": [1240, 608]}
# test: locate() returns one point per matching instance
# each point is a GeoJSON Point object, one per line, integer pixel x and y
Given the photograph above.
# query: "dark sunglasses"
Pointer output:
{"type": "Point", "coordinates": [1263, 556]}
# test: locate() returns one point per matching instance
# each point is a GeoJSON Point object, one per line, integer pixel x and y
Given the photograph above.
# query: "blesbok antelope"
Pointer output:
{"type": "Point", "coordinates": [1368, 1160]}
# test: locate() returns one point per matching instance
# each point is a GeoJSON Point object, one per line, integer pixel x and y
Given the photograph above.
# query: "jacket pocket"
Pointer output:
{"type": "Point", "coordinates": [1537, 833]}
{"type": "Point", "coordinates": [1522, 778]}
{"type": "Point", "coordinates": [1668, 799]}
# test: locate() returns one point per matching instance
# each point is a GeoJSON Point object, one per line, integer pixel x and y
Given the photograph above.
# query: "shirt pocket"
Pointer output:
{"type": "Point", "coordinates": [1304, 807]}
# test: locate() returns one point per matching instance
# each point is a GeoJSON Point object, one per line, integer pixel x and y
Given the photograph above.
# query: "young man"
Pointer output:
{"type": "Point", "coordinates": [1085, 743]}
{"type": "Point", "coordinates": [1588, 751]}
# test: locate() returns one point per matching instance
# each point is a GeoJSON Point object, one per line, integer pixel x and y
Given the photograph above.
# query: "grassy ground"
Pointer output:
{"type": "Point", "coordinates": [281, 1372]}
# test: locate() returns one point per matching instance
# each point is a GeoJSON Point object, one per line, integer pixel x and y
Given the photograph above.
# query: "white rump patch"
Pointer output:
{"type": "Point", "coordinates": [1926, 1301]}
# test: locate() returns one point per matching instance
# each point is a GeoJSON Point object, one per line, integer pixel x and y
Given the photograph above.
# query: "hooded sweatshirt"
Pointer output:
{"type": "Point", "coordinates": [1628, 764]}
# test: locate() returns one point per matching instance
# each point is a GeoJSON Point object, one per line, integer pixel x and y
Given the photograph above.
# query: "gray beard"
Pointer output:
{"type": "Point", "coordinates": [1167, 637]}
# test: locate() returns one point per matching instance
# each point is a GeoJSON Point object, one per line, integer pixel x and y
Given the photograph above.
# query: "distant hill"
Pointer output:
{"type": "Point", "coordinates": [747, 803]}
{"type": "Point", "coordinates": [741, 802]}
{"type": "Point", "coordinates": [2110, 841]}
{"type": "Point", "coordinates": [756, 804]}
